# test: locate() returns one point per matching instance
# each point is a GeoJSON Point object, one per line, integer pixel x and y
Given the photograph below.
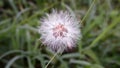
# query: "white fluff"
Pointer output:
{"type": "Point", "coordinates": [59, 30]}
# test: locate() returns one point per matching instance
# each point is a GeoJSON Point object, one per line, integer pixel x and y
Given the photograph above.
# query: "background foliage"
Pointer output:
{"type": "Point", "coordinates": [19, 40]}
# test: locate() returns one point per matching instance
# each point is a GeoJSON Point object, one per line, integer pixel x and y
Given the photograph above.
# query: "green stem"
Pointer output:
{"type": "Point", "coordinates": [52, 58]}
{"type": "Point", "coordinates": [88, 12]}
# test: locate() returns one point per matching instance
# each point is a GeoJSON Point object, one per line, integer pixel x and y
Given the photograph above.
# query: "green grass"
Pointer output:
{"type": "Point", "coordinates": [20, 46]}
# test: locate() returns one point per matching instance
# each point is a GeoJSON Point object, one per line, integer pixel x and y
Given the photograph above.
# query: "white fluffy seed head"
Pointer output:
{"type": "Point", "coordinates": [59, 30]}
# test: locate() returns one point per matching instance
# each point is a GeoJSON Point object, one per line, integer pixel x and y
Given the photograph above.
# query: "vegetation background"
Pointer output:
{"type": "Point", "coordinates": [19, 40]}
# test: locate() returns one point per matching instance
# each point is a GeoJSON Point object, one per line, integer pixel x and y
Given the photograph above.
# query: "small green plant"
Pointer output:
{"type": "Point", "coordinates": [20, 46]}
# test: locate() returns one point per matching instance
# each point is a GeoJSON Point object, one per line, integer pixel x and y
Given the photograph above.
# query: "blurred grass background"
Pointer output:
{"type": "Point", "coordinates": [20, 47]}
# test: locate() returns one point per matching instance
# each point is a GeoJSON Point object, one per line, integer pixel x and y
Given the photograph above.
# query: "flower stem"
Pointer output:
{"type": "Point", "coordinates": [52, 58]}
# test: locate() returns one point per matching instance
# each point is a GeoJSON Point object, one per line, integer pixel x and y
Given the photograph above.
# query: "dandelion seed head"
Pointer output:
{"type": "Point", "coordinates": [59, 30]}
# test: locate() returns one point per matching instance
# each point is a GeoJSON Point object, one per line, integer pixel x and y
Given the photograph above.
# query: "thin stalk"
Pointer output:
{"type": "Point", "coordinates": [87, 12]}
{"type": "Point", "coordinates": [59, 51]}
